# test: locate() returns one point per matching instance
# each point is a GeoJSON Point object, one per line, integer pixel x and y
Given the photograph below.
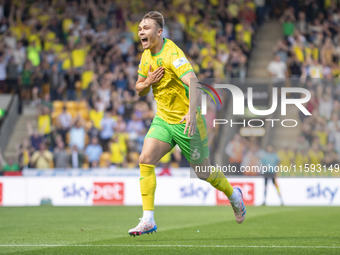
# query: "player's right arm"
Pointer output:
{"type": "Point", "coordinates": [143, 83]}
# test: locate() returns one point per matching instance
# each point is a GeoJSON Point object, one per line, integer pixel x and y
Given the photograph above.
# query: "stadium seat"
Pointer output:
{"type": "Point", "coordinates": [88, 125]}
{"type": "Point", "coordinates": [85, 165]}
{"type": "Point", "coordinates": [87, 139]}
{"type": "Point", "coordinates": [84, 114]}
{"type": "Point", "coordinates": [54, 116]}
{"type": "Point", "coordinates": [105, 159]}
{"type": "Point", "coordinates": [46, 88]}
{"type": "Point", "coordinates": [73, 112]}
{"type": "Point", "coordinates": [71, 106]}
{"type": "Point", "coordinates": [174, 165]}
{"type": "Point", "coordinates": [82, 105]}
{"type": "Point", "coordinates": [133, 159]}
{"type": "Point", "coordinates": [68, 138]}
{"type": "Point", "coordinates": [58, 105]}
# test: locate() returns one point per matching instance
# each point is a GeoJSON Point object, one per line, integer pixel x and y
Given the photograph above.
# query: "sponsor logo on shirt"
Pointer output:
{"type": "Point", "coordinates": [179, 62]}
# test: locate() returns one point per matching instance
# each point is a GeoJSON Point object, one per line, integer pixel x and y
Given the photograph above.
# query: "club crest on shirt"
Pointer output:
{"type": "Point", "coordinates": [159, 61]}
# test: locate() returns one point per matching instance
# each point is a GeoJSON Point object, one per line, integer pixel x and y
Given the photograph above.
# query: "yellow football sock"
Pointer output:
{"type": "Point", "coordinates": [277, 187]}
{"type": "Point", "coordinates": [147, 182]}
{"type": "Point", "coordinates": [220, 182]}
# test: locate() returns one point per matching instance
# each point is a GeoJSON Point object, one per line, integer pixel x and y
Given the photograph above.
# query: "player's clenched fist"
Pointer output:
{"type": "Point", "coordinates": [154, 76]}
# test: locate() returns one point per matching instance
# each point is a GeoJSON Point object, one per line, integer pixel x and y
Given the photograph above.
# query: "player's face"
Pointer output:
{"type": "Point", "coordinates": [148, 33]}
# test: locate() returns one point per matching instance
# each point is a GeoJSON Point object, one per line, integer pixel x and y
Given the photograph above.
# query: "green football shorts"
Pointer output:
{"type": "Point", "coordinates": [194, 148]}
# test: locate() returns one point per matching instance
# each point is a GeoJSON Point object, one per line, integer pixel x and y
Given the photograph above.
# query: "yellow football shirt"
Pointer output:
{"type": "Point", "coordinates": [44, 18]}
{"type": "Point", "coordinates": [86, 78]}
{"type": "Point", "coordinates": [16, 31]}
{"type": "Point", "coordinates": [78, 57]}
{"type": "Point", "coordinates": [323, 136]}
{"type": "Point", "coordinates": [171, 94]}
{"type": "Point", "coordinates": [66, 25]}
{"type": "Point", "coordinates": [209, 36]}
{"type": "Point", "coordinates": [35, 38]}
{"type": "Point", "coordinates": [286, 157]}
{"type": "Point", "coordinates": [122, 141]}
{"type": "Point", "coordinates": [298, 52]}
{"type": "Point", "coordinates": [96, 117]}
{"type": "Point", "coordinates": [44, 124]}
{"type": "Point", "coordinates": [315, 157]}
{"type": "Point", "coordinates": [301, 160]}
{"type": "Point", "coordinates": [117, 154]}
{"type": "Point", "coordinates": [133, 26]}
{"type": "Point", "coordinates": [58, 48]}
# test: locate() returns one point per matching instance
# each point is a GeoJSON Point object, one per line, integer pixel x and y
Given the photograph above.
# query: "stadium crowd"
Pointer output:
{"type": "Point", "coordinates": [309, 55]}
{"type": "Point", "coordinates": [311, 48]}
{"type": "Point", "coordinates": [77, 62]}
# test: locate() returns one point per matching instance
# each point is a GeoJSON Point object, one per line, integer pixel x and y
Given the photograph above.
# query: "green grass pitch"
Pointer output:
{"type": "Point", "coordinates": [181, 230]}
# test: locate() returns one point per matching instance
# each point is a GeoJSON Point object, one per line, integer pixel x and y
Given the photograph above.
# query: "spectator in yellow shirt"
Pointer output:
{"type": "Point", "coordinates": [86, 79]}
{"type": "Point", "coordinates": [286, 156]}
{"type": "Point", "coordinates": [315, 154]}
{"type": "Point", "coordinates": [117, 152]}
{"type": "Point", "coordinates": [301, 159]}
{"type": "Point", "coordinates": [96, 116]}
{"type": "Point", "coordinates": [44, 122]}
{"type": "Point", "coordinates": [78, 56]}
{"type": "Point", "coordinates": [322, 134]}
{"type": "Point", "coordinates": [43, 158]}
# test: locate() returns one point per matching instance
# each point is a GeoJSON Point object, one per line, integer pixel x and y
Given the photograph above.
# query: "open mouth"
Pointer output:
{"type": "Point", "coordinates": [144, 40]}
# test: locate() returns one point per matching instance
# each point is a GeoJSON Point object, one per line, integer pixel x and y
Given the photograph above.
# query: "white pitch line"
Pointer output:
{"type": "Point", "coordinates": [169, 245]}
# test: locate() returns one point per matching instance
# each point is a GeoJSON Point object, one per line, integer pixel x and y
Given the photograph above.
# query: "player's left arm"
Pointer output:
{"type": "Point", "coordinates": [182, 68]}
{"type": "Point", "coordinates": [190, 118]}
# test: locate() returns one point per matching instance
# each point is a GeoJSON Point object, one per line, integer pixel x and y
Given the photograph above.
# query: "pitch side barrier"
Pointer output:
{"type": "Point", "coordinates": [123, 190]}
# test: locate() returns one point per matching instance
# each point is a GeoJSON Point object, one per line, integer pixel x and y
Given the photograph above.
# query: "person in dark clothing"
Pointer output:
{"type": "Point", "coordinates": [57, 83]}
{"type": "Point", "coordinates": [71, 78]}
{"type": "Point", "coordinates": [295, 67]}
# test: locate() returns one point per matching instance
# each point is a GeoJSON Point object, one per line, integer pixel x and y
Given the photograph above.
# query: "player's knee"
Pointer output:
{"type": "Point", "coordinates": [145, 159]}
{"type": "Point", "coordinates": [202, 176]}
